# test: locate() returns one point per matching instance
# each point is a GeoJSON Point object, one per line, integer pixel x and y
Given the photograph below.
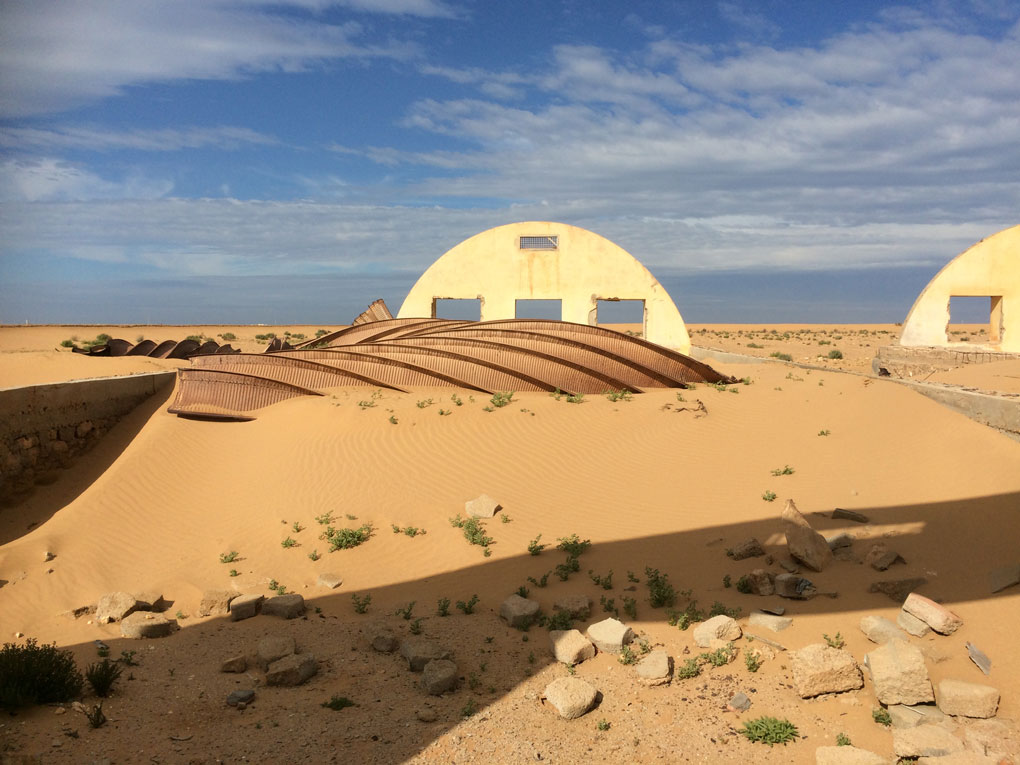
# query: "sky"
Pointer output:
{"type": "Point", "coordinates": [288, 161]}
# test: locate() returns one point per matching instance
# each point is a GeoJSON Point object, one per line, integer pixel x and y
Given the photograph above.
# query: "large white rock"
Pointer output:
{"type": "Point", "coordinates": [571, 696]}
{"type": "Point", "coordinates": [519, 612]}
{"type": "Point", "coordinates": [818, 669]}
{"type": "Point", "coordinates": [925, 741]}
{"type": "Point", "coordinates": [957, 697]}
{"type": "Point", "coordinates": [899, 674]}
{"type": "Point", "coordinates": [719, 627]}
{"type": "Point", "coordinates": [570, 646]}
{"type": "Point", "coordinates": [804, 543]}
{"type": "Point", "coordinates": [936, 616]}
{"type": "Point", "coordinates": [114, 606]}
{"type": "Point", "coordinates": [482, 506]}
{"type": "Point", "coordinates": [610, 635]}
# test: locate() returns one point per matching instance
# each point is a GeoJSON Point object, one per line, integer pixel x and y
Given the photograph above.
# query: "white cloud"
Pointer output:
{"type": "Point", "coordinates": [53, 180]}
{"type": "Point", "coordinates": [100, 139]}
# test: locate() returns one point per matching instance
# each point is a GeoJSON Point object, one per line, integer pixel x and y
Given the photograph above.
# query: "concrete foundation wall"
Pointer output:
{"type": "Point", "coordinates": [43, 427]}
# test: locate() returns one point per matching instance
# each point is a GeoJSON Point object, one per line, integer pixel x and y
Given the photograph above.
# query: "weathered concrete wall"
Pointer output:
{"type": "Point", "coordinates": [583, 269]}
{"type": "Point", "coordinates": [989, 268]}
{"type": "Point", "coordinates": [898, 361]}
{"type": "Point", "coordinates": [43, 427]}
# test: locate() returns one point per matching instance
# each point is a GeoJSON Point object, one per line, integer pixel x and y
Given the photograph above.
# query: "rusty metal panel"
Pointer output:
{"type": "Point", "coordinates": [289, 369]}
{"type": "Point", "coordinates": [220, 393]}
{"type": "Point", "coordinates": [376, 311]}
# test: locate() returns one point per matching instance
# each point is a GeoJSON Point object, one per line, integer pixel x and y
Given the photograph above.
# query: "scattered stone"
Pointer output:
{"type": "Point", "coordinates": [789, 565]}
{"type": "Point", "coordinates": [774, 610]}
{"type": "Point", "coordinates": [240, 697]}
{"type": "Point", "coordinates": [912, 624]}
{"type": "Point", "coordinates": [114, 606]}
{"type": "Point", "coordinates": [980, 658]}
{"type": "Point", "coordinates": [793, 586]}
{"type": "Point", "coordinates": [936, 616]}
{"type": "Point", "coordinates": [571, 696]}
{"type": "Point", "coordinates": [329, 581]}
{"type": "Point", "coordinates": [289, 606]}
{"type": "Point", "coordinates": [215, 602]}
{"type": "Point", "coordinates": [762, 652]}
{"type": "Point", "coordinates": [576, 606]}
{"type": "Point", "coordinates": [419, 651]}
{"type": "Point", "coordinates": [274, 648]}
{"type": "Point", "coordinates": [245, 606]}
{"type": "Point", "coordinates": [570, 646]}
{"type": "Point", "coordinates": [847, 755]}
{"type": "Point", "coordinates": [235, 664]}
{"type": "Point", "coordinates": [610, 635]}
{"type": "Point", "coordinates": [385, 642]}
{"type": "Point", "coordinates": [804, 543]}
{"type": "Point", "coordinates": [849, 515]}
{"type": "Point", "coordinates": [482, 507]}
{"type": "Point", "coordinates": [899, 674]}
{"type": "Point", "coordinates": [151, 600]}
{"type": "Point", "coordinates": [739, 703]}
{"type": "Point", "coordinates": [426, 714]}
{"type": "Point", "coordinates": [762, 582]}
{"type": "Point", "coordinates": [957, 697]}
{"type": "Point", "coordinates": [48, 556]}
{"type": "Point", "coordinates": [882, 562]}
{"type": "Point", "coordinates": [656, 668]}
{"type": "Point", "coordinates": [904, 716]}
{"type": "Point", "coordinates": [519, 612]}
{"type": "Point", "coordinates": [291, 670]}
{"type": "Point", "coordinates": [993, 738]}
{"type": "Point", "coordinates": [774, 623]}
{"type": "Point", "coordinates": [439, 676]}
{"type": "Point", "coordinates": [960, 758]}
{"type": "Point", "coordinates": [142, 624]}
{"type": "Point", "coordinates": [880, 630]}
{"type": "Point", "coordinates": [1004, 577]}
{"type": "Point", "coordinates": [897, 589]}
{"type": "Point", "coordinates": [719, 627]}
{"type": "Point", "coordinates": [818, 669]}
{"type": "Point", "coordinates": [749, 548]}
{"type": "Point", "coordinates": [925, 741]}
{"type": "Point", "coordinates": [842, 539]}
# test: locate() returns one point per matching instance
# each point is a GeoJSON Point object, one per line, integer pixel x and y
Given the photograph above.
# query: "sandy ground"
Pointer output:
{"type": "Point", "coordinates": [157, 502]}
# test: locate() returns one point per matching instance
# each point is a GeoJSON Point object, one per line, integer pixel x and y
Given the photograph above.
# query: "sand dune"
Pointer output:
{"type": "Point", "coordinates": [650, 484]}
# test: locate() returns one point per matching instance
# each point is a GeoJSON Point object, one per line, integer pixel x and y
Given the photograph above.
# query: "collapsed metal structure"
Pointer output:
{"type": "Point", "coordinates": [490, 356]}
{"type": "Point", "coordinates": [168, 349]}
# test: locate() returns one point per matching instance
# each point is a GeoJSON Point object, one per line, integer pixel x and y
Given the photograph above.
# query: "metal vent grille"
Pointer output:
{"type": "Point", "coordinates": [539, 242]}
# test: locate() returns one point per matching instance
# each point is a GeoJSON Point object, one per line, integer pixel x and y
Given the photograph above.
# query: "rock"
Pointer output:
{"type": "Point", "coordinates": [215, 602]}
{"type": "Point", "coordinates": [774, 623]}
{"type": "Point", "coordinates": [912, 624]}
{"type": "Point", "coordinates": [899, 674]}
{"type": "Point", "coordinates": [610, 635]}
{"type": "Point", "coordinates": [925, 741]}
{"type": "Point", "coordinates": [842, 539]}
{"type": "Point", "coordinates": [289, 606]}
{"type": "Point", "coordinates": [763, 652]}
{"type": "Point", "coordinates": [762, 582]}
{"type": "Point", "coordinates": [1004, 577]}
{"type": "Point", "coordinates": [793, 586]}
{"type": "Point", "coordinates": [142, 624]}
{"type": "Point", "coordinates": [656, 668]}
{"type": "Point", "coordinates": [719, 627]}
{"type": "Point", "coordinates": [804, 543]}
{"type": "Point", "coordinates": [936, 616]}
{"type": "Point", "coordinates": [385, 642]}
{"type": "Point", "coordinates": [576, 606]}
{"type": "Point", "coordinates": [880, 630]}
{"type": "Point", "coordinates": [570, 646]}
{"type": "Point", "coordinates": [993, 738]}
{"type": "Point", "coordinates": [739, 703]}
{"type": "Point", "coordinates": [886, 559]}
{"type": "Point", "coordinates": [847, 755]}
{"type": "Point", "coordinates": [956, 697]}
{"type": "Point", "coordinates": [114, 606]}
{"type": "Point", "coordinates": [849, 515]}
{"type": "Point", "coordinates": [960, 758]}
{"type": "Point", "coordinates": [274, 648]}
{"type": "Point", "coordinates": [240, 697]}
{"type": "Point", "coordinates": [818, 669]}
{"type": "Point", "coordinates": [245, 606]}
{"type": "Point", "coordinates": [236, 664]}
{"type": "Point", "coordinates": [519, 612]}
{"type": "Point", "coordinates": [980, 658]}
{"type": "Point", "coordinates": [749, 548]}
{"type": "Point", "coordinates": [48, 556]}
{"type": "Point", "coordinates": [904, 716]}
{"type": "Point", "coordinates": [426, 715]}
{"type": "Point", "coordinates": [291, 670]}
{"type": "Point", "coordinates": [419, 651]}
{"type": "Point", "coordinates": [897, 589]}
{"type": "Point", "coordinates": [150, 600]}
{"type": "Point", "coordinates": [571, 696]}
{"type": "Point", "coordinates": [789, 565]}
{"type": "Point", "coordinates": [329, 581]}
{"type": "Point", "coordinates": [439, 676]}
{"type": "Point", "coordinates": [482, 507]}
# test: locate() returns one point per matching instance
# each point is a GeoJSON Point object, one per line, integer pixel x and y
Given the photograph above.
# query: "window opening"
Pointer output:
{"type": "Point", "coordinates": [539, 309]}
{"type": "Point", "coordinates": [539, 242]}
{"type": "Point", "coordinates": [469, 309]}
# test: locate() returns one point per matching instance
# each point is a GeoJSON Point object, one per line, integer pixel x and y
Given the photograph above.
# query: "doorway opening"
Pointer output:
{"type": "Point", "coordinates": [621, 314]}
{"type": "Point", "coordinates": [469, 309]}
{"type": "Point", "coordinates": [975, 319]}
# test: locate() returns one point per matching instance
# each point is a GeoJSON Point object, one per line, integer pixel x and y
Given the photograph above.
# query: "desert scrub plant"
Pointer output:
{"type": "Point", "coordinates": [560, 620]}
{"type": "Point", "coordinates": [501, 398]}
{"type": "Point", "coordinates": [630, 607]}
{"type": "Point", "coordinates": [346, 538]}
{"type": "Point", "coordinates": [824, 432]}
{"type": "Point", "coordinates": [424, 403]}
{"type": "Point", "coordinates": [469, 708]}
{"type": "Point", "coordinates": [416, 626]}
{"type": "Point", "coordinates": [95, 716]}
{"type": "Point", "coordinates": [769, 730]}
{"type": "Point", "coordinates": [474, 530]}
{"type": "Point", "coordinates": [744, 585]}
{"type": "Point", "coordinates": [534, 548]}
{"type": "Point", "coordinates": [523, 591]}
{"type": "Point", "coordinates": [229, 557]}
{"type": "Point", "coordinates": [660, 591]}
{"type": "Point", "coordinates": [727, 582]}
{"type": "Point", "coordinates": [102, 675]}
{"type": "Point", "coordinates": [457, 400]}
{"type": "Point", "coordinates": [443, 607]}
{"type": "Point", "coordinates": [361, 604]}
{"type": "Point", "coordinates": [620, 395]}
{"type": "Point", "coordinates": [234, 572]}
{"type": "Point", "coordinates": [768, 496]}
{"type": "Point", "coordinates": [541, 582]}
{"type": "Point", "coordinates": [627, 656]}
{"type": "Point", "coordinates": [568, 567]}
{"type": "Point", "coordinates": [406, 611]}
{"type": "Point", "coordinates": [843, 740]}
{"type": "Point", "coordinates": [35, 674]}
{"type": "Point", "coordinates": [781, 356]}
{"type": "Point", "coordinates": [881, 716]}
{"type": "Point", "coordinates": [393, 420]}
{"type": "Point", "coordinates": [573, 546]}
{"type": "Point", "coordinates": [288, 542]}
{"type": "Point", "coordinates": [336, 703]}
{"type": "Point", "coordinates": [718, 609]}
{"type": "Point", "coordinates": [720, 657]}
{"type": "Point", "coordinates": [784, 470]}
{"type": "Point", "coordinates": [835, 354]}
{"type": "Point", "coordinates": [67, 343]}
{"type": "Point", "coordinates": [325, 519]}
{"type": "Point", "coordinates": [688, 670]}
{"type": "Point", "coordinates": [604, 581]}
{"type": "Point", "coordinates": [834, 642]}
{"type": "Point", "coordinates": [469, 607]}
{"type": "Point", "coordinates": [603, 724]}
{"type": "Point", "coordinates": [576, 398]}
{"type": "Point", "coordinates": [752, 661]}
{"type": "Point", "coordinates": [609, 605]}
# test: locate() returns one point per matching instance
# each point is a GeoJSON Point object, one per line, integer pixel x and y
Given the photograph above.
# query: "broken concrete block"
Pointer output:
{"type": "Point", "coordinates": [818, 669]}
{"type": "Point", "coordinates": [880, 630]}
{"type": "Point", "coordinates": [956, 697]}
{"type": "Point", "coordinates": [571, 696]}
{"type": "Point", "coordinates": [899, 674]}
{"type": "Point", "coordinates": [774, 623]}
{"type": "Point", "coordinates": [719, 627]}
{"type": "Point", "coordinates": [910, 716]}
{"type": "Point", "coordinates": [519, 612]}
{"type": "Point", "coordinates": [570, 646]}
{"type": "Point", "coordinates": [610, 635]}
{"type": "Point", "coordinates": [925, 741]}
{"type": "Point", "coordinates": [793, 586]}
{"type": "Point", "coordinates": [749, 548]}
{"type": "Point", "coordinates": [245, 606]}
{"type": "Point", "coordinates": [912, 624]}
{"type": "Point", "coordinates": [483, 506]}
{"type": "Point", "coordinates": [936, 616]}
{"type": "Point", "coordinates": [804, 543]}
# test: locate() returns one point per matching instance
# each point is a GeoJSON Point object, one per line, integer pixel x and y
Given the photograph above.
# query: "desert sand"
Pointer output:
{"type": "Point", "coordinates": [651, 481]}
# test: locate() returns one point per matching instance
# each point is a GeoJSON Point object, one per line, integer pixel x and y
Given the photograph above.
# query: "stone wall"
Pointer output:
{"type": "Point", "coordinates": [44, 427]}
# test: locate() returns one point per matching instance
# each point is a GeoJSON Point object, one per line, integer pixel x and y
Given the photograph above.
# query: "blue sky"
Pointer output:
{"type": "Point", "coordinates": [312, 155]}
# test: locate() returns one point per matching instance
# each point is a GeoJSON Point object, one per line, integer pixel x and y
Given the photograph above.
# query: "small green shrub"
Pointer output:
{"type": "Point", "coordinates": [361, 604]}
{"type": "Point", "coordinates": [443, 606]}
{"type": "Point", "coordinates": [469, 606]}
{"type": "Point", "coordinates": [752, 661]}
{"type": "Point", "coordinates": [34, 674]}
{"type": "Point", "coordinates": [630, 607]}
{"type": "Point", "coordinates": [785, 470]}
{"type": "Point", "coordinates": [288, 542]}
{"type": "Point", "coordinates": [609, 605]}
{"type": "Point", "coordinates": [620, 395]}
{"type": "Point", "coordinates": [687, 670]}
{"type": "Point", "coordinates": [627, 656]}
{"type": "Point", "coordinates": [769, 730]}
{"type": "Point", "coordinates": [336, 703]}
{"type": "Point", "coordinates": [660, 591]}
{"type": "Point", "coordinates": [834, 642]}
{"type": "Point", "coordinates": [474, 530]}
{"type": "Point", "coordinates": [573, 546]}
{"type": "Point", "coordinates": [314, 555]}
{"type": "Point", "coordinates": [560, 620]}
{"type": "Point", "coordinates": [605, 581]}
{"type": "Point", "coordinates": [416, 626]}
{"type": "Point", "coordinates": [406, 611]}
{"type": "Point", "coordinates": [824, 432]}
{"type": "Point", "coordinates": [769, 496]}
{"type": "Point", "coordinates": [576, 398]}
{"type": "Point", "coordinates": [229, 557]}
{"type": "Point", "coordinates": [540, 582]}
{"type": "Point", "coordinates": [95, 716]}
{"type": "Point", "coordinates": [727, 582]}
{"type": "Point", "coordinates": [781, 356]}
{"type": "Point", "coordinates": [881, 716]}
{"type": "Point", "coordinates": [346, 538]}
{"type": "Point", "coordinates": [835, 354]}
{"type": "Point", "coordinates": [501, 399]}
{"type": "Point", "coordinates": [534, 548]}
{"type": "Point", "coordinates": [228, 336]}
{"type": "Point", "coordinates": [102, 676]}
{"type": "Point", "coordinates": [523, 591]}
{"type": "Point", "coordinates": [67, 343]}
{"type": "Point", "coordinates": [720, 657]}
{"type": "Point", "coordinates": [603, 724]}
{"type": "Point", "coordinates": [744, 585]}
{"type": "Point", "coordinates": [325, 519]}
{"type": "Point", "coordinates": [843, 740]}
